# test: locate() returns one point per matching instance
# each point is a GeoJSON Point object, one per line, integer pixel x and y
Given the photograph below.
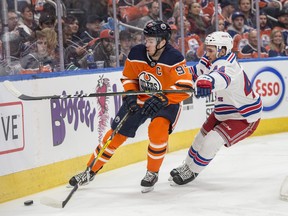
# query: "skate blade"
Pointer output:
{"type": "Point", "coordinates": [173, 184]}
{"type": "Point", "coordinates": [147, 189]}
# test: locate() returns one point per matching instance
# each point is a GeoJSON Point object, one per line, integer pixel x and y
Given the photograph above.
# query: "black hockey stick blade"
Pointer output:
{"type": "Point", "coordinates": [10, 87]}
{"type": "Point", "coordinates": [48, 201]}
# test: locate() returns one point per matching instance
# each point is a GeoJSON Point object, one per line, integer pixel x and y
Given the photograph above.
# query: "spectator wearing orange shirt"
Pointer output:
{"type": "Point", "coordinates": [265, 29]}
{"type": "Point", "coordinates": [251, 49]}
{"type": "Point", "coordinates": [191, 40]}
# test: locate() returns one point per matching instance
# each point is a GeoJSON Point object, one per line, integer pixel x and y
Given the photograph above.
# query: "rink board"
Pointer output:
{"type": "Point", "coordinates": [46, 142]}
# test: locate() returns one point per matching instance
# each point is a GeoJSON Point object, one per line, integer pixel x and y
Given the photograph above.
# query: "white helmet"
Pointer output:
{"type": "Point", "coordinates": [220, 39]}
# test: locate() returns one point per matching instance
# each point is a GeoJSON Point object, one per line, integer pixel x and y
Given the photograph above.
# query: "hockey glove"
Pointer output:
{"type": "Point", "coordinates": [154, 104]}
{"type": "Point", "coordinates": [130, 102]}
{"type": "Point", "coordinates": [204, 85]}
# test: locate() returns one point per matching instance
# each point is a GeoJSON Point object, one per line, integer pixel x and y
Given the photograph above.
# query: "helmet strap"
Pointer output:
{"type": "Point", "coordinates": [158, 42]}
{"type": "Point", "coordinates": [218, 51]}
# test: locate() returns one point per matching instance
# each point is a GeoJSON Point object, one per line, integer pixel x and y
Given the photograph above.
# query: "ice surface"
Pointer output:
{"type": "Point", "coordinates": [242, 180]}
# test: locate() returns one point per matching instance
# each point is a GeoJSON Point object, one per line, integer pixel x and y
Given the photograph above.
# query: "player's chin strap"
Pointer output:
{"type": "Point", "coordinates": [158, 42]}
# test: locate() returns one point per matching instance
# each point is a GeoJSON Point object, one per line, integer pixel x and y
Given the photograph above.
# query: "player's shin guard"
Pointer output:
{"type": "Point", "coordinates": [157, 148]}
{"type": "Point", "coordinates": [117, 140]}
{"type": "Point", "coordinates": [195, 147]}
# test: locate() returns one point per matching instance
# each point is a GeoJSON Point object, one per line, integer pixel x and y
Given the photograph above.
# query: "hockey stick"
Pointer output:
{"type": "Point", "coordinates": [61, 204]}
{"type": "Point", "coordinates": [21, 96]}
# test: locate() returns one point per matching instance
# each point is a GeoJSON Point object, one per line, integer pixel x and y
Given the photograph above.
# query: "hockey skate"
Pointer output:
{"type": "Point", "coordinates": [182, 175]}
{"type": "Point", "coordinates": [148, 181]}
{"type": "Point", "coordinates": [176, 171]}
{"type": "Point", "coordinates": [82, 178]}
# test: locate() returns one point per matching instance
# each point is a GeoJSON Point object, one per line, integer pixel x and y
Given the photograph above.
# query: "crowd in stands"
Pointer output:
{"type": "Point", "coordinates": [32, 35]}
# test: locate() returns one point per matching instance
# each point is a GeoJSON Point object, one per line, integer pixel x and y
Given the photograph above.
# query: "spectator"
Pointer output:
{"type": "Point", "coordinates": [46, 20]}
{"type": "Point", "coordinates": [167, 9]}
{"type": "Point", "coordinates": [251, 50]}
{"type": "Point", "coordinates": [174, 37]}
{"type": "Point", "coordinates": [227, 9]}
{"type": "Point", "coordinates": [52, 43]}
{"type": "Point", "coordinates": [271, 8]}
{"type": "Point", "coordinates": [27, 22]}
{"type": "Point", "coordinates": [238, 31]}
{"type": "Point", "coordinates": [276, 46]}
{"type": "Point", "coordinates": [137, 38]}
{"type": "Point", "coordinates": [18, 39]}
{"type": "Point", "coordinates": [191, 41]}
{"type": "Point", "coordinates": [12, 21]}
{"type": "Point", "coordinates": [282, 24]}
{"type": "Point", "coordinates": [198, 23]}
{"type": "Point", "coordinates": [176, 11]}
{"type": "Point", "coordinates": [75, 49]}
{"type": "Point", "coordinates": [153, 14]}
{"type": "Point", "coordinates": [73, 26]}
{"type": "Point", "coordinates": [49, 8]}
{"type": "Point", "coordinates": [38, 61]}
{"type": "Point", "coordinates": [93, 28]}
{"type": "Point", "coordinates": [265, 29]}
{"type": "Point", "coordinates": [245, 6]}
{"type": "Point", "coordinates": [105, 48]}
{"type": "Point", "coordinates": [186, 25]}
{"type": "Point", "coordinates": [125, 45]}
{"type": "Point", "coordinates": [212, 28]}
{"type": "Point", "coordinates": [238, 24]}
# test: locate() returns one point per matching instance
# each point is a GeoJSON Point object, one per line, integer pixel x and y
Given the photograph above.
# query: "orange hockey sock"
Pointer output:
{"type": "Point", "coordinates": [158, 132]}
{"type": "Point", "coordinates": [117, 140]}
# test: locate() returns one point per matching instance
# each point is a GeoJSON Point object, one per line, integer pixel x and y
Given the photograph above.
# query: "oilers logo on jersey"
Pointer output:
{"type": "Point", "coordinates": [148, 82]}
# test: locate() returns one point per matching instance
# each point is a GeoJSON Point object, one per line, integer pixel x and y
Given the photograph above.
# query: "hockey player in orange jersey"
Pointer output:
{"type": "Point", "coordinates": [153, 66]}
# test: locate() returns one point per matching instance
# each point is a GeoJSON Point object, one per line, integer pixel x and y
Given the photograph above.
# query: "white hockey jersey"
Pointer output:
{"type": "Point", "coordinates": [235, 98]}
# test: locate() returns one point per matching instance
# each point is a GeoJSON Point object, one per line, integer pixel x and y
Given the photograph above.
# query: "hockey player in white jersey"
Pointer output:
{"type": "Point", "coordinates": [237, 108]}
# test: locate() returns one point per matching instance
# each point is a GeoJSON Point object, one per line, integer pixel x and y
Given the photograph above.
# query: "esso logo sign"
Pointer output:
{"type": "Point", "coordinates": [270, 85]}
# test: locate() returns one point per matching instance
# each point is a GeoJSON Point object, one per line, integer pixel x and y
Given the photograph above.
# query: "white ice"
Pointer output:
{"type": "Point", "coordinates": [242, 180]}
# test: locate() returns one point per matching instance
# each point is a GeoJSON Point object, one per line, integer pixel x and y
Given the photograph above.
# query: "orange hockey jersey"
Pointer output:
{"type": "Point", "coordinates": [140, 73]}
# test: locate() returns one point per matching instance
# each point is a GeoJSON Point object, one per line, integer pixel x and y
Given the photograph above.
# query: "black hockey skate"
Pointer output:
{"type": "Point", "coordinates": [82, 178]}
{"type": "Point", "coordinates": [182, 174]}
{"type": "Point", "coordinates": [148, 181]}
{"type": "Point", "coordinates": [176, 171]}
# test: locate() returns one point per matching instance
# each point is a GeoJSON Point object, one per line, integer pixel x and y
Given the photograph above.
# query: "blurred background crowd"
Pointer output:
{"type": "Point", "coordinates": [60, 35]}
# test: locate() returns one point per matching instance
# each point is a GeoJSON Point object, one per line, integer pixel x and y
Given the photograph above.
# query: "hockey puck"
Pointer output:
{"type": "Point", "coordinates": [28, 202]}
